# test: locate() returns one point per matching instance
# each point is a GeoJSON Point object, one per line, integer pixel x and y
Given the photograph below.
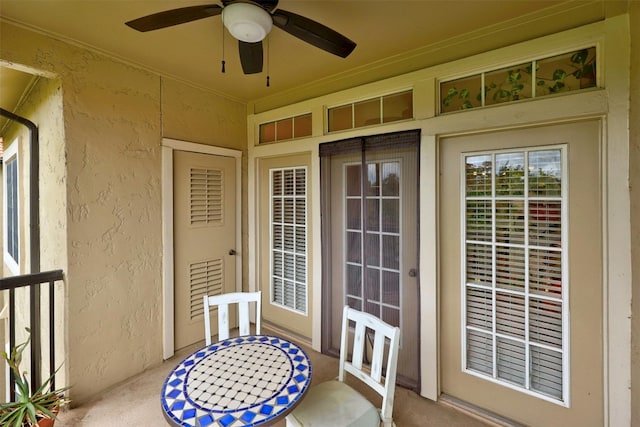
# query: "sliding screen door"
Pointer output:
{"type": "Point", "coordinates": [370, 246]}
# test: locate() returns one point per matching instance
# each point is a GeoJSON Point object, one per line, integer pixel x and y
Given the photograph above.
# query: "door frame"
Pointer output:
{"type": "Point", "coordinates": [168, 147]}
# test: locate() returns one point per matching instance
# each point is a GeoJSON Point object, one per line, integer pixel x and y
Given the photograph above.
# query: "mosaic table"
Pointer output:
{"type": "Point", "coordinates": [254, 380]}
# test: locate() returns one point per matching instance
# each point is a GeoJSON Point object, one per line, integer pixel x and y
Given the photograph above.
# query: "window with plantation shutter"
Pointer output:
{"type": "Point", "coordinates": [288, 219]}
{"type": "Point", "coordinates": [11, 212]}
{"type": "Point", "coordinates": [515, 298]}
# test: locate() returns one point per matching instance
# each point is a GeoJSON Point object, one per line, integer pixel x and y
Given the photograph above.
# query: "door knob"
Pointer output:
{"type": "Point", "coordinates": [232, 251]}
{"type": "Point", "coordinates": [413, 272]}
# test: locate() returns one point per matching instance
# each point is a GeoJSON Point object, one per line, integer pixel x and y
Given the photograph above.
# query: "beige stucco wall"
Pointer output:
{"type": "Point", "coordinates": [190, 116]}
{"type": "Point", "coordinates": [114, 121]}
{"type": "Point", "coordinates": [634, 170]}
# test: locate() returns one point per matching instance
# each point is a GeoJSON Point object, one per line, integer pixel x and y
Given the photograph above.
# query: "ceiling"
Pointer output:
{"type": "Point", "coordinates": [392, 37]}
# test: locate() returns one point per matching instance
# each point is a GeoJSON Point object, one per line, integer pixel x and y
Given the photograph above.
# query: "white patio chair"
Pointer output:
{"type": "Point", "coordinates": [222, 302]}
{"type": "Point", "coordinates": [334, 403]}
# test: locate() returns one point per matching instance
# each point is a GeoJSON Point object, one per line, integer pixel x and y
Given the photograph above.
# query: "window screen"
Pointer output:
{"type": "Point", "coordinates": [514, 291]}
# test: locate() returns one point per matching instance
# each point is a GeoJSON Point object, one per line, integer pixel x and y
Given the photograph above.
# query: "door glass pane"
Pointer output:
{"type": "Point", "coordinates": [391, 179]}
{"type": "Point", "coordinates": [514, 259]}
{"type": "Point", "coordinates": [391, 215]}
{"type": "Point", "coordinates": [373, 179]}
{"type": "Point", "coordinates": [353, 180]}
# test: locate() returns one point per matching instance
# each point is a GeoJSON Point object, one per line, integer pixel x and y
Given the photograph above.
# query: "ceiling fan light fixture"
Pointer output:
{"type": "Point", "coordinates": [247, 22]}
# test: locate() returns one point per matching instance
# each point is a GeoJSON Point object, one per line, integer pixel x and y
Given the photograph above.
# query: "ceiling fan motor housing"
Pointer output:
{"type": "Point", "coordinates": [247, 22]}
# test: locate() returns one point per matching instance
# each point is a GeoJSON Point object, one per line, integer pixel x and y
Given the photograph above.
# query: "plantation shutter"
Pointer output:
{"type": "Point", "coordinates": [515, 298]}
{"type": "Point", "coordinates": [289, 237]}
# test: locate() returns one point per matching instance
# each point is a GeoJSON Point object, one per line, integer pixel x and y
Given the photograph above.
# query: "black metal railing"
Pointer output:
{"type": "Point", "coordinates": [35, 282]}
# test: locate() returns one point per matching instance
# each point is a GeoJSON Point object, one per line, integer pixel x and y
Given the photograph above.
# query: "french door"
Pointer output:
{"type": "Point", "coordinates": [370, 252]}
{"type": "Point", "coordinates": [520, 296]}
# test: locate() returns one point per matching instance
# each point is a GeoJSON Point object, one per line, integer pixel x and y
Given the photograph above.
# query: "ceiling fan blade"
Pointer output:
{"type": "Point", "coordinates": [172, 17]}
{"type": "Point", "coordinates": [313, 33]}
{"type": "Point", "coordinates": [267, 5]}
{"type": "Point", "coordinates": [250, 57]}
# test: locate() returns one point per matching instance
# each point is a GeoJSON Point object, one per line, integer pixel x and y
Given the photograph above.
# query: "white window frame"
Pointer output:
{"type": "Point", "coordinates": [297, 283]}
{"type": "Point", "coordinates": [10, 156]}
{"type": "Point", "coordinates": [566, 384]}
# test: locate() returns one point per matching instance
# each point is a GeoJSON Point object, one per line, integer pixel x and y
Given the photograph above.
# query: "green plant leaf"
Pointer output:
{"type": "Point", "coordinates": [580, 57]}
{"type": "Point", "coordinates": [29, 408]}
{"type": "Point", "coordinates": [556, 87]}
{"type": "Point", "coordinates": [559, 74]}
{"type": "Point", "coordinates": [501, 94]}
{"type": "Point", "coordinates": [464, 93]}
{"type": "Point", "coordinates": [31, 412]}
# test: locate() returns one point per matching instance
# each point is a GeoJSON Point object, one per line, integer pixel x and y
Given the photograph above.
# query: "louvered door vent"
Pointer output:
{"type": "Point", "coordinates": [206, 196]}
{"type": "Point", "coordinates": [205, 278]}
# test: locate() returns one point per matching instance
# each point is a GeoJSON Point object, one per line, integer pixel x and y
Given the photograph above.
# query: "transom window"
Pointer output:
{"type": "Point", "coordinates": [373, 111]}
{"type": "Point", "coordinates": [288, 219]}
{"type": "Point", "coordinates": [533, 79]}
{"type": "Point", "coordinates": [285, 129]}
{"type": "Point", "coordinates": [514, 290]}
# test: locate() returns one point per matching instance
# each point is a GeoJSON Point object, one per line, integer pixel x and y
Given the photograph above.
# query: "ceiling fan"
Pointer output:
{"type": "Point", "coordinates": [250, 22]}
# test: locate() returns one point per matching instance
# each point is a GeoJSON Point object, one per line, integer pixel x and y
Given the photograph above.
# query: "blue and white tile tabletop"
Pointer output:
{"type": "Point", "coordinates": [254, 380]}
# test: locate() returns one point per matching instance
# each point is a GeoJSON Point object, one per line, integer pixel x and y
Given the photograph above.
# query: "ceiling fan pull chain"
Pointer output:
{"type": "Point", "coordinates": [223, 62]}
{"type": "Point", "coordinates": [268, 50]}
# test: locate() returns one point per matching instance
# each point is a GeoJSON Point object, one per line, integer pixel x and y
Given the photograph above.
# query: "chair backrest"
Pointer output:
{"type": "Point", "coordinates": [222, 302]}
{"type": "Point", "coordinates": [385, 386]}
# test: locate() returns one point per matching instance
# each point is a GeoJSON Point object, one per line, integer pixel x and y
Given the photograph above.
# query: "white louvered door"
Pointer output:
{"type": "Point", "coordinates": [204, 228]}
{"type": "Point", "coordinates": [521, 273]}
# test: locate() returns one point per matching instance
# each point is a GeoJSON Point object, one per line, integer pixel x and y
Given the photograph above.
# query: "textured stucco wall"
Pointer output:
{"type": "Point", "coordinates": [113, 127]}
{"type": "Point", "coordinates": [634, 169]}
{"type": "Point", "coordinates": [187, 115]}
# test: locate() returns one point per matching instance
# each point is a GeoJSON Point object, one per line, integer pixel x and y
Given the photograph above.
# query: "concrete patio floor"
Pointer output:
{"type": "Point", "coordinates": [136, 402]}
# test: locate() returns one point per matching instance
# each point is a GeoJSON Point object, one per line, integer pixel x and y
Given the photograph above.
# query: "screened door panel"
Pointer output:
{"type": "Point", "coordinates": [369, 238]}
{"type": "Point", "coordinates": [521, 271]}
